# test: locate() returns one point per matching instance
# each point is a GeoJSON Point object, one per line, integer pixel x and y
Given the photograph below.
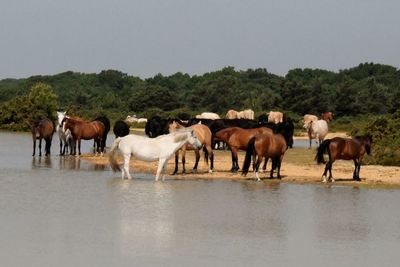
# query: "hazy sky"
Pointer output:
{"type": "Point", "coordinates": [143, 38]}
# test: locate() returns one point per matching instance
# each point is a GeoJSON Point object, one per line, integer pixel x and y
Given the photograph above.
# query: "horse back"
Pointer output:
{"type": "Point", "coordinates": [345, 148]}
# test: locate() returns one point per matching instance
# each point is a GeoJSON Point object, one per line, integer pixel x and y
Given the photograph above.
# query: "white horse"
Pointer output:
{"type": "Point", "coordinates": [148, 149]}
{"type": "Point", "coordinates": [65, 136]}
{"type": "Point", "coordinates": [316, 130]}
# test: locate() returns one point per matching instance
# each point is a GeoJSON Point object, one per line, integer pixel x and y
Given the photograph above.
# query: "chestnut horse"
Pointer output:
{"type": "Point", "coordinates": [203, 133]}
{"type": "Point", "coordinates": [237, 139]}
{"type": "Point", "coordinates": [85, 130]}
{"type": "Point", "coordinates": [344, 148]}
{"type": "Point", "coordinates": [44, 129]}
{"type": "Point", "coordinates": [269, 145]}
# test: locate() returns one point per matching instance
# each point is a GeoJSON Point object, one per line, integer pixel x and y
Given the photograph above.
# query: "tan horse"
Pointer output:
{"type": "Point", "coordinates": [44, 129]}
{"type": "Point", "coordinates": [237, 139]}
{"type": "Point", "coordinates": [269, 145]}
{"type": "Point", "coordinates": [275, 117]}
{"type": "Point", "coordinates": [232, 114]}
{"type": "Point", "coordinates": [203, 133]}
{"type": "Point", "coordinates": [85, 130]}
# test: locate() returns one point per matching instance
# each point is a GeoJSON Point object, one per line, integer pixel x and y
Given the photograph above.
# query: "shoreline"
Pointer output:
{"type": "Point", "coordinates": [298, 167]}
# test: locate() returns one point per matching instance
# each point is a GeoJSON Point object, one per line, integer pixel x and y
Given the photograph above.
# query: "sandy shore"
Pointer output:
{"type": "Point", "coordinates": [298, 167]}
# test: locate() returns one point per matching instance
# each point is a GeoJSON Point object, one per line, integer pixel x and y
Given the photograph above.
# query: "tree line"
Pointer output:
{"type": "Point", "coordinates": [368, 90]}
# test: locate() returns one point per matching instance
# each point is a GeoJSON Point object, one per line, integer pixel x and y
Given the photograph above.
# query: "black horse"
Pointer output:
{"type": "Point", "coordinates": [120, 129]}
{"type": "Point", "coordinates": [157, 126]}
{"type": "Point", "coordinates": [107, 127]}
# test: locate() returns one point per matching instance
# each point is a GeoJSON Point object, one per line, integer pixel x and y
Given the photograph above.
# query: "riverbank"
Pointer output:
{"type": "Point", "coordinates": [298, 166]}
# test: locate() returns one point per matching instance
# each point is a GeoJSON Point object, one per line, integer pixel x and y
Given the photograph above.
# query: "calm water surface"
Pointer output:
{"type": "Point", "coordinates": [60, 211]}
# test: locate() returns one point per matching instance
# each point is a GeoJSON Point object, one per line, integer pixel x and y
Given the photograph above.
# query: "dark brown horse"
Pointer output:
{"type": "Point", "coordinates": [203, 133]}
{"type": "Point", "coordinates": [85, 130]}
{"type": "Point", "coordinates": [237, 139]}
{"type": "Point", "coordinates": [44, 129]}
{"type": "Point", "coordinates": [344, 148]}
{"type": "Point", "coordinates": [268, 145]}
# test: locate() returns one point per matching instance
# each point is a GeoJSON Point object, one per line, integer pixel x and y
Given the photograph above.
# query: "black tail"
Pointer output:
{"type": "Point", "coordinates": [205, 154]}
{"type": "Point", "coordinates": [319, 157]}
{"type": "Point", "coordinates": [249, 153]}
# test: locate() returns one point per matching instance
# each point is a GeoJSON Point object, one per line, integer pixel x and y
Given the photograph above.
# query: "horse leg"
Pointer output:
{"type": "Point", "coordinates": [79, 146]}
{"type": "Point", "coordinates": [279, 163]}
{"type": "Point", "coordinates": [40, 147]}
{"type": "Point", "coordinates": [256, 166]}
{"type": "Point", "coordinates": [271, 174]}
{"type": "Point", "coordinates": [211, 155]}
{"type": "Point", "coordinates": [235, 159]}
{"type": "Point", "coordinates": [125, 169]}
{"type": "Point", "coordinates": [176, 162]}
{"type": "Point", "coordinates": [161, 164]}
{"type": "Point", "coordinates": [197, 154]}
{"type": "Point", "coordinates": [34, 147]}
{"type": "Point", "coordinates": [233, 162]}
{"type": "Point", "coordinates": [61, 147]}
{"type": "Point", "coordinates": [264, 168]}
{"type": "Point", "coordinates": [356, 174]}
{"type": "Point", "coordinates": [326, 171]}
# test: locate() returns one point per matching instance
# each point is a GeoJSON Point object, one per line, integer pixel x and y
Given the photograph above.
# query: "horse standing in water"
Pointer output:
{"type": "Point", "coordinates": [106, 123]}
{"type": "Point", "coordinates": [65, 137]}
{"type": "Point", "coordinates": [344, 148]}
{"type": "Point", "coordinates": [85, 130]}
{"type": "Point", "coordinates": [44, 129]}
{"type": "Point", "coordinates": [237, 139]}
{"type": "Point", "coordinates": [150, 149]}
{"type": "Point", "coordinates": [270, 145]}
{"type": "Point", "coordinates": [203, 133]}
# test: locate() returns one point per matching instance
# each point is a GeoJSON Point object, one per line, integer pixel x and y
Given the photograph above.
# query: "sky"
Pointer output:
{"type": "Point", "coordinates": [144, 38]}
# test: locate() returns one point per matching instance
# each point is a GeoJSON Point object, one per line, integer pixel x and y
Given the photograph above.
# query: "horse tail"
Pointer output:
{"type": "Point", "coordinates": [205, 154]}
{"type": "Point", "coordinates": [321, 150]}
{"type": "Point", "coordinates": [249, 154]}
{"type": "Point", "coordinates": [112, 155]}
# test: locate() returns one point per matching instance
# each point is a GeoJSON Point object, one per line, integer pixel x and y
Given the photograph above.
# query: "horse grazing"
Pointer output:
{"type": "Point", "coordinates": [344, 148]}
{"type": "Point", "coordinates": [237, 139]}
{"type": "Point", "coordinates": [271, 145]}
{"type": "Point", "coordinates": [65, 137]}
{"type": "Point", "coordinates": [150, 149]}
{"type": "Point", "coordinates": [85, 130]}
{"type": "Point", "coordinates": [327, 116]}
{"type": "Point", "coordinates": [44, 129]}
{"type": "Point", "coordinates": [316, 130]}
{"type": "Point", "coordinates": [246, 114]}
{"type": "Point", "coordinates": [232, 114]}
{"type": "Point", "coordinates": [120, 129]}
{"type": "Point", "coordinates": [203, 133]}
{"type": "Point", "coordinates": [275, 117]}
{"type": "Point", "coordinates": [208, 115]}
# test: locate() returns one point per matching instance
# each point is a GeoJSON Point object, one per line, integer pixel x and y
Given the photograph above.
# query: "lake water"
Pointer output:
{"type": "Point", "coordinates": [61, 211]}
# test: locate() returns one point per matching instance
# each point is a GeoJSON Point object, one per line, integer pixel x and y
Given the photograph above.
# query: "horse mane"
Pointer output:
{"type": "Point", "coordinates": [180, 135]}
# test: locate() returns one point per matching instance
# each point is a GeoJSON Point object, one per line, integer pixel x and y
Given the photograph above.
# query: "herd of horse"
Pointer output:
{"type": "Point", "coordinates": [269, 137]}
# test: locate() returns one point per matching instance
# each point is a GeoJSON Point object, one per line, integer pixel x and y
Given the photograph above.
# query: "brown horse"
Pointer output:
{"type": "Point", "coordinates": [344, 148]}
{"type": "Point", "coordinates": [203, 133]}
{"type": "Point", "coordinates": [327, 116]}
{"type": "Point", "coordinates": [237, 139]}
{"type": "Point", "coordinates": [44, 129]}
{"type": "Point", "coordinates": [85, 130]}
{"type": "Point", "coordinates": [268, 145]}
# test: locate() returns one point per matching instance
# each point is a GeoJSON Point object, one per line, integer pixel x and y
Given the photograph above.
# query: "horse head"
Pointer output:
{"type": "Point", "coordinates": [60, 116]}
{"type": "Point", "coordinates": [193, 140]}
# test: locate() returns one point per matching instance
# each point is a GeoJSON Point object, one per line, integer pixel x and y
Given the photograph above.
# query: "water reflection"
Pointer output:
{"type": "Point", "coordinates": [76, 163]}
{"type": "Point", "coordinates": [41, 162]}
{"type": "Point", "coordinates": [332, 214]}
